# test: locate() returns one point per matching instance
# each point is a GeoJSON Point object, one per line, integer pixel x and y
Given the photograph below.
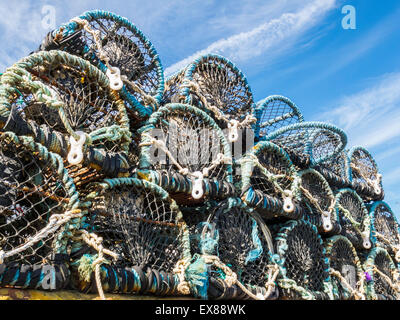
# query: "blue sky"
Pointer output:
{"type": "Point", "coordinates": [295, 48]}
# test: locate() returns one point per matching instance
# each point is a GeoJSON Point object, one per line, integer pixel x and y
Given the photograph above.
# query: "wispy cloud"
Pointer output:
{"type": "Point", "coordinates": [274, 34]}
{"type": "Point", "coordinates": [372, 116]}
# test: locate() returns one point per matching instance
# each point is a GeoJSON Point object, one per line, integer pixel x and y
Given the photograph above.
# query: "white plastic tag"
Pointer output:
{"type": "Point", "coordinates": [75, 155]}
{"type": "Point", "coordinates": [114, 74]}
{"type": "Point", "coordinates": [198, 192]}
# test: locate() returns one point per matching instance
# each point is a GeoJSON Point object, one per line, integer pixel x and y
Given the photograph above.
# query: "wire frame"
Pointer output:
{"type": "Point", "coordinates": [385, 229]}
{"type": "Point", "coordinates": [54, 97]}
{"type": "Point", "coordinates": [305, 274]}
{"type": "Point", "coordinates": [241, 241]}
{"type": "Point", "coordinates": [309, 143]}
{"type": "Point", "coordinates": [127, 49]}
{"type": "Point", "coordinates": [36, 196]}
{"type": "Point", "coordinates": [365, 176]}
{"type": "Point", "coordinates": [139, 222]}
{"type": "Point", "coordinates": [219, 81]}
{"type": "Point", "coordinates": [317, 194]}
{"type": "Point", "coordinates": [180, 142]}
{"type": "Point", "coordinates": [354, 218]}
{"type": "Point", "coordinates": [275, 112]}
{"type": "Point", "coordinates": [270, 182]}
{"type": "Point", "coordinates": [343, 259]}
{"type": "Point", "coordinates": [336, 171]}
{"type": "Point", "coordinates": [383, 275]}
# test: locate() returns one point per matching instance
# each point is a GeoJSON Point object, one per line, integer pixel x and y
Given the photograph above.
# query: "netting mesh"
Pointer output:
{"type": "Point", "coordinates": [276, 112]}
{"type": "Point", "coordinates": [86, 101]}
{"type": "Point", "coordinates": [365, 174]}
{"type": "Point", "coordinates": [222, 85]}
{"type": "Point", "coordinates": [243, 245]}
{"type": "Point", "coordinates": [384, 275]}
{"type": "Point", "coordinates": [141, 225]}
{"type": "Point", "coordinates": [32, 189]}
{"type": "Point", "coordinates": [353, 217]}
{"type": "Point", "coordinates": [126, 48]}
{"type": "Point", "coordinates": [336, 170]}
{"type": "Point", "coordinates": [318, 195]}
{"type": "Point", "coordinates": [309, 141]}
{"type": "Point", "coordinates": [385, 227]}
{"type": "Point", "coordinates": [303, 256]}
{"type": "Point", "coordinates": [343, 259]}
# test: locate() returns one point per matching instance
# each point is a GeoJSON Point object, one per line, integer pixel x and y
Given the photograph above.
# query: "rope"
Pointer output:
{"type": "Point", "coordinates": [233, 125]}
{"type": "Point", "coordinates": [395, 248]}
{"type": "Point", "coordinates": [315, 203]}
{"type": "Point", "coordinates": [55, 222]}
{"type": "Point", "coordinates": [395, 286]}
{"type": "Point", "coordinates": [95, 242]}
{"type": "Point", "coordinates": [375, 183]}
{"type": "Point", "coordinates": [290, 284]}
{"type": "Point", "coordinates": [357, 293]}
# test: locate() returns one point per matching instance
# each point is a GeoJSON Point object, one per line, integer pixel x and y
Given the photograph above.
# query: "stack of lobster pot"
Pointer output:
{"type": "Point", "coordinates": [118, 180]}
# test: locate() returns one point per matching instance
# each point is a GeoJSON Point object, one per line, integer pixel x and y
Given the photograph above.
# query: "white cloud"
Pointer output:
{"type": "Point", "coordinates": [372, 116]}
{"type": "Point", "coordinates": [274, 34]}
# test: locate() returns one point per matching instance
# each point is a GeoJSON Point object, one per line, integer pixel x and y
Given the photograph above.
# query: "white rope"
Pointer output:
{"type": "Point", "coordinates": [356, 293]}
{"type": "Point", "coordinates": [96, 242]}
{"type": "Point", "coordinates": [55, 222]}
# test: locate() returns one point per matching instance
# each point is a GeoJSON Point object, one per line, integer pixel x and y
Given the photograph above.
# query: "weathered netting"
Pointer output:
{"type": "Point", "coordinates": [354, 218]}
{"type": "Point", "coordinates": [365, 176]}
{"type": "Point", "coordinates": [270, 182]}
{"type": "Point", "coordinates": [316, 192]}
{"type": "Point", "coordinates": [143, 227]}
{"type": "Point", "coordinates": [39, 210]}
{"type": "Point", "coordinates": [336, 171]}
{"type": "Point", "coordinates": [275, 112]}
{"type": "Point", "coordinates": [305, 268]}
{"type": "Point", "coordinates": [385, 229]}
{"type": "Point", "coordinates": [347, 275]}
{"type": "Point", "coordinates": [66, 104]}
{"type": "Point", "coordinates": [237, 246]}
{"type": "Point", "coordinates": [117, 44]}
{"type": "Point", "coordinates": [384, 283]}
{"type": "Point", "coordinates": [309, 143]}
{"type": "Point", "coordinates": [186, 153]}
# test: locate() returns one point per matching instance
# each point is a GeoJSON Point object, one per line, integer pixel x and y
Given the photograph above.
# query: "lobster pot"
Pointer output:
{"type": "Point", "coordinates": [382, 275]}
{"type": "Point", "coordinates": [140, 224]}
{"type": "Point", "coordinates": [120, 50]}
{"type": "Point", "coordinates": [186, 153]}
{"type": "Point", "coordinates": [318, 196]}
{"type": "Point", "coordinates": [336, 171]}
{"type": "Point", "coordinates": [242, 244]}
{"type": "Point", "coordinates": [67, 105]}
{"type": "Point", "coordinates": [38, 213]}
{"type": "Point", "coordinates": [305, 267]}
{"type": "Point", "coordinates": [385, 229]}
{"type": "Point", "coordinates": [270, 182]}
{"type": "Point", "coordinates": [347, 275]}
{"type": "Point", "coordinates": [364, 175]}
{"type": "Point", "coordinates": [354, 218]}
{"type": "Point", "coordinates": [215, 85]}
{"type": "Point", "coordinates": [275, 112]}
{"type": "Point", "coordinates": [309, 143]}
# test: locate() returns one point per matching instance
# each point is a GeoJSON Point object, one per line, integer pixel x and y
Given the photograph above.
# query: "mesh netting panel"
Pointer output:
{"type": "Point", "coordinates": [124, 45]}
{"type": "Point", "coordinates": [385, 275]}
{"type": "Point", "coordinates": [385, 228]}
{"type": "Point", "coordinates": [354, 218]}
{"type": "Point", "coordinates": [173, 87]}
{"type": "Point", "coordinates": [336, 170]}
{"type": "Point", "coordinates": [316, 192]}
{"type": "Point", "coordinates": [244, 245]}
{"type": "Point", "coordinates": [303, 256]}
{"type": "Point", "coordinates": [275, 112]}
{"type": "Point", "coordinates": [365, 173]}
{"type": "Point", "coordinates": [87, 103]}
{"type": "Point", "coordinates": [140, 224]}
{"type": "Point", "coordinates": [343, 259]}
{"type": "Point", "coordinates": [221, 84]}
{"type": "Point", "coordinates": [319, 141]}
{"type": "Point", "coordinates": [33, 189]}
{"type": "Point", "coordinates": [193, 141]}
